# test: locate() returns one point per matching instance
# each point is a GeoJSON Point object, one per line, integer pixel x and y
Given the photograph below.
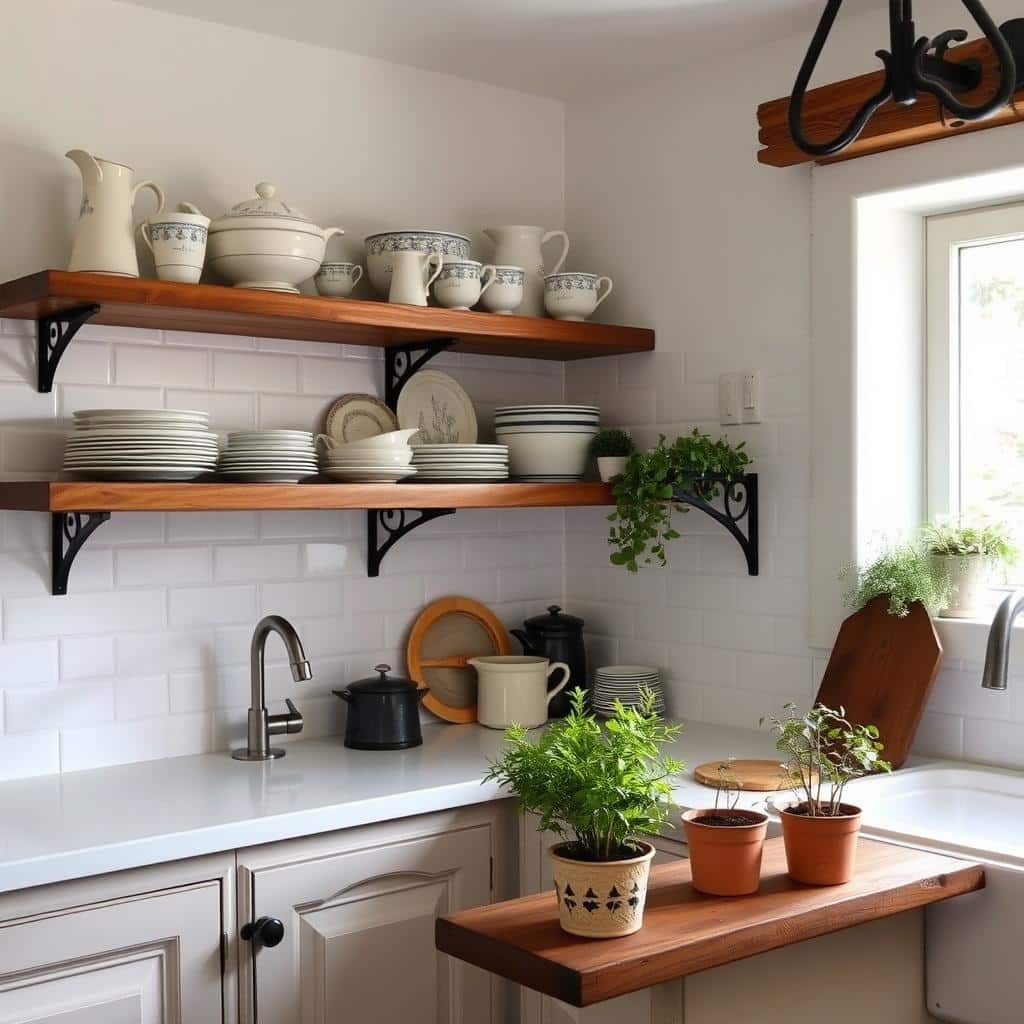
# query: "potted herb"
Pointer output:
{"type": "Point", "coordinates": [966, 554]}
{"type": "Point", "coordinates": [725, 844]}
{"type": "Point", "coordinates": [824, 752]}
{"type": "Point", "coordinates": [904, 574]}
{"type": "Point", "coordinates": [599, 789]}
{"type": "Point", "coordinates": [612, 449]}
{"type": "Point", "coordinates": [642, 520]}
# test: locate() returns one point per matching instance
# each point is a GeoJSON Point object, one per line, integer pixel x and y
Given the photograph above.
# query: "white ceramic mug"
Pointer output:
{"type": "Point", "coordinates": [505, 294]}
{"type": "Point", "coordinates": [337, 280]}
{"type": "Point", "coordinates": [461, 283]}
{"type": "Point", "coordinates": [177, 241]}
{"type": "Point", "coordinates": [411, 278]}
{"type": "Point", "coordinates": [513, 690]}
{"type": "Point", "coordinates": [574, 296]}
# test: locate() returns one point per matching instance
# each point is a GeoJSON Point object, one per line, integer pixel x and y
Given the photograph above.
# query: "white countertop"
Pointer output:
{"type": "Point", "coordinates": [58, 827]}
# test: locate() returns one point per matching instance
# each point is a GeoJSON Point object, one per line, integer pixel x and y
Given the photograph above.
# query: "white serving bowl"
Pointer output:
{"type": "Point", "coordinates": [547, 453]}
{"type": "Point", "coordinates": [381, 245]}
{"type": "Point", "coordinates": [391, 439]}
{"type": "Point", "coordinates": [381, 457]}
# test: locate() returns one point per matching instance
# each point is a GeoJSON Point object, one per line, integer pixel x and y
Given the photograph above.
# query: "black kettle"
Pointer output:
{"type": "Point", "coordinates": [557, 637]}
{"type": "Point", "coordinates": [383, 712]}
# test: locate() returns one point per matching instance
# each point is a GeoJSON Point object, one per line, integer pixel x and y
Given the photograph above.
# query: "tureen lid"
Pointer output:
{"type": "Point", "coordinates": [382, 682]}
{"type": "Point", "coordinates": [264, 207]}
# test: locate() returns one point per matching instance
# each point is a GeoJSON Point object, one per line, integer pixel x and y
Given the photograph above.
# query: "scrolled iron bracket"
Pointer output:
{"type": "Point", "coordinates": [386, 527]}
{"type": "Point", "coordinates": [402, 361]}
{"type": "Point", "coordinates": [54, 332]}
{"type": "Point", "coordinates": [69, 532]}
{"type": "Point", "coordinates": [738, 504]}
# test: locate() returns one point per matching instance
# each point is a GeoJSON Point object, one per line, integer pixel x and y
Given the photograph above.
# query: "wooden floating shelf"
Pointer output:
{"type": "Point", "coordinates": [685, 931]}
{"type": "Point", "coordinates": [214, 309]}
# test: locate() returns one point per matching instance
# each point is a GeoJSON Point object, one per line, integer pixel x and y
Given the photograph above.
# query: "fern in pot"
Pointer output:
{"type": "Point", "coordinates": [967, 554]}
{"type": "Point", "coordinates": [612, 449]}
{"type": "Point", "coordinates": [599, 788]}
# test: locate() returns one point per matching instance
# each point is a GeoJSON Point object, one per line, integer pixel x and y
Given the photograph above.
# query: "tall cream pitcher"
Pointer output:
{"type": "Point", "coordinates": [519, 245]}
{"type": "Point", "coordinates": [105, 233]}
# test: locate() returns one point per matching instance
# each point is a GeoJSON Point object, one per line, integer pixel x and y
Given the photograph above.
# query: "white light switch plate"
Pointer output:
{"type": "Point", "coordinates": [729, 398]}
{"type": "Point", "coordinates": [750, 389]}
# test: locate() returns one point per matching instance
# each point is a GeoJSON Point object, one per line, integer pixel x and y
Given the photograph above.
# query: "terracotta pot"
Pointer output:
{"type": "Point", "coordinates": [726, 859]}
{"type": "Point", "coordinates": [821, 850]}
{"type": "Point", "coordinates": [601, 899]}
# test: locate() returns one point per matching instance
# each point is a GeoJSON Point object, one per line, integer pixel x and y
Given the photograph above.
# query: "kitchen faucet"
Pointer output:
{"type": "Point", "coordinates": [261, 725]}
{"type": "Point", "coordinates": [997, 654]}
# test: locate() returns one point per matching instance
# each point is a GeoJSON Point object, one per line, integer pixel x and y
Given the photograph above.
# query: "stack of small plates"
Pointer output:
{"type": "Point", "coordinates": [460, 462]}
{"type": "Point", "coordinates": [625, 683]}
{"type": "Point", "coordinates": [383, 458]}
{"type": "Point", "coordinates": [547, 443]}
{"type": "Point", "coordinates": [140, 444]}
{"type": "Point", "coordinates": [268, 457]}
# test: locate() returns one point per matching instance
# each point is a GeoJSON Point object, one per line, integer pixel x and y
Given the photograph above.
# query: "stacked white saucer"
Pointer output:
{"type": "Point", "coordinates": [625, 683]}
{"type": "Point", "coordinates": [268, 457]}
{"type": "Point", "coordinates": [140, 444]}
{"type": "Point", "coordinates": [464, 463]}
{"type": "Point", "coordinates": [383, 458]}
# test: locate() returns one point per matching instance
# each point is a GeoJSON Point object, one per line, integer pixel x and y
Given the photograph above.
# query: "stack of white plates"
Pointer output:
{"type": "Point", "coordinates": [460, 462]}
{"type": "Point", "coordinates": [547, 443]}
{"type": "Point", "coordinates": [383, 458]}
{"type": "Point", "coordinates": [625, 683]}
{"type": "Point", "coordinates": [140, 444]}
{"type": "Point", "coordinates": [268, 457]}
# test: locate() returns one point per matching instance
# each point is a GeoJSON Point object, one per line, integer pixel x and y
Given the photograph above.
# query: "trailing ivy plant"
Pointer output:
{"type": "Point", "coordinates": [904, 574]}
{"type": "Point", "coordinates": [642, 520]}
{"type": "Point", "coordinates": [597, 786]}
{"type": "Point", "coordinates": [990, 541]}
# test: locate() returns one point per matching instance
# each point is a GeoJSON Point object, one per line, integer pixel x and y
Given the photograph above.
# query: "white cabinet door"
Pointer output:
{"type": "Point", "coordinates": [359, 929]}
{"type": "Point", "coordinates": [148, 959]}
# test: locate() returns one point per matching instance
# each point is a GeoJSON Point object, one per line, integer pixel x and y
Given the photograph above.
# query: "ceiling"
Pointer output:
{"type": "Point", "coordinates": [559, 48]}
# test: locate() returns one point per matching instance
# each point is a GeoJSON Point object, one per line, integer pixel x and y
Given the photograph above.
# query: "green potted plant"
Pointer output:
{"type": "Point", "coordinates": [642, 520]}
{"type": "Point", "coordinates": [824, 752]}
{"type": "Point", "coordinates": [612, 449]}
{"type": "Point", "coordinates": [966, 553]}
{"type": "Point", "coordinates": [904, 574]}
{"type": "Point", "coordinates": [726, 843]}
{"type": "Point", "coordinates": [599, 788]}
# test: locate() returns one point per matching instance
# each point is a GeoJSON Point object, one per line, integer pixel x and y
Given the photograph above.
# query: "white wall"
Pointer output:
{"type": "Point", "coordinates": [147, 656]}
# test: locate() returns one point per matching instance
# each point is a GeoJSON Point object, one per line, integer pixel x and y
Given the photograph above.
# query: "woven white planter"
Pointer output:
{"type": "Point", "coordinates": [601, 899]}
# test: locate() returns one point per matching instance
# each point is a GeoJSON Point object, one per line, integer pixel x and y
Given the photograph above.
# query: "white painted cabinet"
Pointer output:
{"type": "Point", "coordinates": [358, 909]}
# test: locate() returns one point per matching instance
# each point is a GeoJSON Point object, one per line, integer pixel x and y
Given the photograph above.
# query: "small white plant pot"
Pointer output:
{"type": "Point", "coordinates": [611, 466]}
{"type": "Point", "coordinates": [969, 576]}
{"type": "Point", "coordinates": [601, 899]}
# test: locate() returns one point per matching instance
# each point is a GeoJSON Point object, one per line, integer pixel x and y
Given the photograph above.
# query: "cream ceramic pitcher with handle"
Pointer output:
{"type": "Point", "coordinates": [521, 245]}
{"type": "Point", "coordinates": [105, 234]}
{"type": "Point", "coordinates": [513, 690]}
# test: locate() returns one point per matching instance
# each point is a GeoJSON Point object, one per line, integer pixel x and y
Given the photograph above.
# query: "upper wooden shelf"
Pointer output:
{"type": "Point", "coordinates": [140, 302]}
{"type": "Point", "coordinates": [685, 931]}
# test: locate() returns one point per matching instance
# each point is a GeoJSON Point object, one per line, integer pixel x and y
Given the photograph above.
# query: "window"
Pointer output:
{"type": "Point", "coordinates": [975, 366]}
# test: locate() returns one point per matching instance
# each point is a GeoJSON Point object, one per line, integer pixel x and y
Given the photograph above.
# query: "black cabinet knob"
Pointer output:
{"type": "Point", "coordinates": [264, 931]}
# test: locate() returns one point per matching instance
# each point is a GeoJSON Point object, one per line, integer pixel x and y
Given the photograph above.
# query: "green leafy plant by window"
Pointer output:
{"type": "Point", "coordinates": [611, 443]}
{"type": "Point", "coordinates": [825, 752]}
{"type": "Point", "coordinates": [642, 520]}
{"type": "Point", "coordinates": [904, 574]}
{"type": "Point", "coordinates": [990, 541]}
{"type": "Point", "coordinates": [596, 786]}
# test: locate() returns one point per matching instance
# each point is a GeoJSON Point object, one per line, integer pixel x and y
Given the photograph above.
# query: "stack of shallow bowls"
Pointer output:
{"type": "Point", "coordinates": [626, 683]}
{"type": "Point", "coordinates": [268, 456]}
{"type": "Point", "coordinates": [460, 463]}
{"type": "Point", "coordinates": [547, 443]}
{"type": "Point", "coordinates": [384, 458]}
{"type": "Point", "coordinates": [140, 444]}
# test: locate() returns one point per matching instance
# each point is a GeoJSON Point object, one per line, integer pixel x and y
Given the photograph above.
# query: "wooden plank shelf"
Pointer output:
{"type": "Point", "coordinates": [685, 931]}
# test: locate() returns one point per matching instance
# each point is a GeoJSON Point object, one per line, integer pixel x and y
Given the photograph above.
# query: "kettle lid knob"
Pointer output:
{"type": "Point", "coordinates": [554, 609]}
{"type": "Point", "coordinates": [382, 669]}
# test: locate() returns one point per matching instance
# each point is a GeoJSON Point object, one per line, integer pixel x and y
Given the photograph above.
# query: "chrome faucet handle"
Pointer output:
{"type": "Point", "coordinates": [291, 722]}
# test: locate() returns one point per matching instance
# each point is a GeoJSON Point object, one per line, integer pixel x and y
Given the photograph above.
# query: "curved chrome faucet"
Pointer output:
{"type": "Point", "coordinates": [261, 725]}
{"type": "Point", "coordinates": [997, 654]}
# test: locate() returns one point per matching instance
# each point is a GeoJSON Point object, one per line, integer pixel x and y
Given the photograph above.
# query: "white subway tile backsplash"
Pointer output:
{"type": "Point", "coordinates": [308, 598]}
{"type": "Point", "coordinates": [23, 406]}
{"type": "Point", "coordinates": [171, 367]}
{"type": "Point", "coordinates": [333, 559]}
{"type": "Point", "coordinates": [28, 664]}
{"type": "Point", "coordinates": [245, 562]}
{"type": "Point", "coordinates": [30, 617]}
{"type": "Point", "coordinates": [30, 754]}
{"type": "Point", "coordinates": [170, 565]}
{"type": "Point", "coordinates": [292, 412]}
{"type": "Point", "coordinates": [140, 697]}
{"type": "Point", "coordinates": [144, 740]}
{"type": "Point", "coordinates": [227, 410]}
{"type": "Point", "coordinates": [32, 454]}
{"type": "Point", "coordinates": [74, 397]}
{"type": "Point", "coordinates": [212, 526]}
{"type": "Point", "coordinates": [82, 657]}
{"type": "Point", "coordinates": [209, 606]}
{"type": "Point", "coordinates": [167, 651]}
{"type": "Point", "coordinates": [337, 376]}
{"type": "Point", "coordinates": [244, 371]}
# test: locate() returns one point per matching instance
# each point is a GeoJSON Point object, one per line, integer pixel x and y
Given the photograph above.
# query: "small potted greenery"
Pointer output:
{"type": "Point", "coordinates": [642, 520]}
{"type": "Point", "coordinates": [612, 449]}
{"type": "Point", "coordinates": [726, 843]}
{"type": "Point", "coordinates": [966, 554]}
{"type": "Point", "coordinates": [905, 575]}
{"type": "Point", "coordinates": [599, 788]}
{"type": "Point", "coordinates": [824, 753]}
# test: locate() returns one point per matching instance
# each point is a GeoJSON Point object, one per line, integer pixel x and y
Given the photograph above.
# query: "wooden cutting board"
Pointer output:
{"type": "Point", "coordinates": [753, 776]}
{"type": "Point", "coordinates": [882, 670]}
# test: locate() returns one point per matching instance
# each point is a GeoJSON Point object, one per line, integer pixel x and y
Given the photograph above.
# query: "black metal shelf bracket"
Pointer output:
{"type": "Point", "coordinates": [54, 332]}
{"type": "Point", "coordinates": [738, 503]}
{"type": "Point", "coordinates": [386, 527]}
{"type": "Point", "coordinates": [69, 532]}
{"type": "Point", "coordinates": [402, 361]}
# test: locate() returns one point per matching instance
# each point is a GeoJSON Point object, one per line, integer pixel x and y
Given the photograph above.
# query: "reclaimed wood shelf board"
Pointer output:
{"type": "Point", "coordinates": [214, 309]}
{"type": "Point", "coordinates": [685, 931]}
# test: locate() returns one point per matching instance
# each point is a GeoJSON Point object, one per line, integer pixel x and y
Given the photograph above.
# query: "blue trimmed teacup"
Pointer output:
{"type": "Point", "coordinates": [572, 295]}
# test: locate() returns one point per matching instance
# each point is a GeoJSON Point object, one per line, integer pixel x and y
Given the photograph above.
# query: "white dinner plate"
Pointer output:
{"type": "Point", "coordinates": [153, 473]}
{"type": "Point", "coordinates": [264, 476]}
{"type": "Point", "coordinates": [439, 406]}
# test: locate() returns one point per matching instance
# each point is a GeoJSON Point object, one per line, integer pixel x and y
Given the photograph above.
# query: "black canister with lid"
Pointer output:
{"type": "Point", "coordinates": [383, 712]}
{"type": "Point", "coordinates": [557, 636]}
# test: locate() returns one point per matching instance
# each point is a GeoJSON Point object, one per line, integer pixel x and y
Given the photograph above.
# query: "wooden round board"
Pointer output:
{"type": "Point", "coordinates": [765, 776]}
{"type": "Point", "coordinates": [445, 635]}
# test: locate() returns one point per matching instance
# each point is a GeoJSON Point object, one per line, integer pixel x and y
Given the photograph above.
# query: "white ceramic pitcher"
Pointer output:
{"type": "Point", "coordinates": [520, 245]}
{"type": "Point", "coordinates": [410, 283]}
{"type": "Point", "coordinates": [105, 236]}
{"type": "Point", "coordinates": [513, 689]}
